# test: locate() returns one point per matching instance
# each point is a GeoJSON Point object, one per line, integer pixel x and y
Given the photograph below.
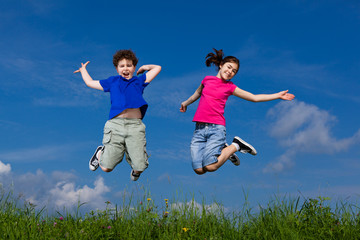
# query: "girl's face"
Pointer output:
{"type": "Point", "coordinates": [126, 68]}
{"type": "Point", "coordinates": [227, 71]}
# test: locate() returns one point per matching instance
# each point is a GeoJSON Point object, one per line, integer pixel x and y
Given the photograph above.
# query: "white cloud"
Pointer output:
{"type": "Point", "coordinates": [302, 127]}
{"type": "Point", "coordinates": [285, 161]}
{"type": "Point", "coordinates": [57, 191]}
{"type": "Point", "coordinates": [4, 168]}
{"type": "Point", "coordinates": [66, 194]}
{"type": "Point", "coordinates": [164, 177]}
{"type": "Point", "coordinates": [198, 208]}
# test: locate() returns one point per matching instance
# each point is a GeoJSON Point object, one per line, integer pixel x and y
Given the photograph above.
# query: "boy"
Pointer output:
{"type": "Point", "coordinates": [124, 132]}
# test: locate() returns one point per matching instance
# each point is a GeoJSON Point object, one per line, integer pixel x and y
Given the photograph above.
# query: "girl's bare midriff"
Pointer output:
{"type": "Point", "coordinates": [130, 113]}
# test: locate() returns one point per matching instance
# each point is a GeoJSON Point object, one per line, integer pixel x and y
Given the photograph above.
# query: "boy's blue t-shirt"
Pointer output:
{"type": "Point", "coordinates": [125, 93]}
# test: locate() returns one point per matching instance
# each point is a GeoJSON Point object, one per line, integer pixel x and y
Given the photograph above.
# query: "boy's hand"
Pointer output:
{"type": "Point", "coordinates": [183, 107]}
{"type": "Point", "coordinates": [142, 69]}
{"type": "Point", "coordinates": [284, 95]}
{"type": "Point", "coordinates": [83, 67]}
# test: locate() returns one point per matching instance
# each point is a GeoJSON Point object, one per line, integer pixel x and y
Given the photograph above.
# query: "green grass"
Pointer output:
{"type": "Point", "coordinates": [282, 218]}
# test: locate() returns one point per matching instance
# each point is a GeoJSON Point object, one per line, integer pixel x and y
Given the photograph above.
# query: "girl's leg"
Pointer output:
{"type": "Point", "coordinates": [215, 155]}
{"type": "Point", "coordinates": [197, 147]}
{"type": "Point", "coordinates": [224, 156]}
{"type": "Point", "coordinates": [200, 171]}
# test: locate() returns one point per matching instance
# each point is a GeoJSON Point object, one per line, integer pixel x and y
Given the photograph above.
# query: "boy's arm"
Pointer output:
{"type": "Point", "coordinates": [284, 95]}
{"type": "Point", "coordinates": [191, 99]}
{"type": "Point", "coordinates": [87, 79]}
{"type": "Point", "coordinates": [153, 71]}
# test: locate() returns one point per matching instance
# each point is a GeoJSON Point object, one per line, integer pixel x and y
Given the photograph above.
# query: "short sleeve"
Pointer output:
{"type": "Point", "coordinates": [203, 81]}
{"type": "Point", "coordinates": [106, 83]}
{"type": "Point", "coordinates": [142, 80]}
{"type": "Point", "coordinates": [232, 87]}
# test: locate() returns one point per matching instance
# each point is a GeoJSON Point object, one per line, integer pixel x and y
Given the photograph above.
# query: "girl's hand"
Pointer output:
{"type": "Point", "coordinates": [83, 67]}
{"type": "Point", "coordinates": [284, 95]}
{"type": "Point", "coordinates": [183, 107]}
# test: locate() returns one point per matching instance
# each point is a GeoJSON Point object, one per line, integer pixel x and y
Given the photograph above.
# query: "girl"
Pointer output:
{"type": "Point", "coordinates": [209, 150]}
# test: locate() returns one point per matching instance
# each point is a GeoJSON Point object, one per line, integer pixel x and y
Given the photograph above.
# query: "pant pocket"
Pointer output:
{"type": "Point", "coordinates": [107, 136]}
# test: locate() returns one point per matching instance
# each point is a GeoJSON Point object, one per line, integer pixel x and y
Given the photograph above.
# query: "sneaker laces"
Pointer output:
{"type": "Point", "coordinates": [95, 162]}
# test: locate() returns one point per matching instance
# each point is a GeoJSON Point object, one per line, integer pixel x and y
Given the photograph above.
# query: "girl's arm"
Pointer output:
{"type": "Point", "coordinates": [284, 95]}
{"type": "Point", "coordinates": [153, 71]}
{"type": "Point", "coordinates": [191, 99]}
{"type": "Point", "coordinates": [87, 79]}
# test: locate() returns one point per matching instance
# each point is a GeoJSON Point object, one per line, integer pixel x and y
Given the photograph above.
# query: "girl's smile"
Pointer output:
{"type": "Point", "coordinates": [227, 71]}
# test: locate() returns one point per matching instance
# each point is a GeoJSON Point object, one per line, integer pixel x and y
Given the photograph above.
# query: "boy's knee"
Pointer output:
{"type": "Point", "coordinates": [106, 169]}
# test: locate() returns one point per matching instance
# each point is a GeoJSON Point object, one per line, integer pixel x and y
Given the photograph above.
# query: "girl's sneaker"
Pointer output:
{"type": "Point", "coordinates": [234, 158]}
{"type": "Point", "coordinates": [94, 161]}
{"type": "Point", "coordinates": [244, 146]}
{"type": "Point", "coordinates": [134, 176]}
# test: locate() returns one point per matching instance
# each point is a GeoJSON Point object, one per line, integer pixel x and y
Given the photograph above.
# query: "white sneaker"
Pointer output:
{"type": "Point", "coordinates": [94, 161]}
{"type": "Point", "coordinates": [244, 146]}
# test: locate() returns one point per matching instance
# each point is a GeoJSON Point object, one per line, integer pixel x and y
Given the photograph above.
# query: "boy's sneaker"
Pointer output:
{"type": "Point", "coordinates": [94, 161]}
{"type": "Point", "coordinates": [134, 176]}
{"type": "Point", "coordinates": [233, 158]}
{"type": "Point", "coordinates": [244, 146]}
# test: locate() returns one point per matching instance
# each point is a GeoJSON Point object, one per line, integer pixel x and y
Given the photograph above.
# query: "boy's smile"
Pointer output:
{"type": "Point", "coordinates": [126, 68]}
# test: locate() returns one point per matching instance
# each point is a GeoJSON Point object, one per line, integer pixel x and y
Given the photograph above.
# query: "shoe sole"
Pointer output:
{"type": "Point", "coordinates": [253, 151]}
{"type": "Point", "coordinates": [91, 167]}
{"type": "Point", "coordinates": [236, 162]}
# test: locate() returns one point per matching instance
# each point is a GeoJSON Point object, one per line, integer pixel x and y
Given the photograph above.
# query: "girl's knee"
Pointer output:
{"type": "Point", "coordinates": [211, 168]}
{"type": "Point", "coordinates": [199, 171]}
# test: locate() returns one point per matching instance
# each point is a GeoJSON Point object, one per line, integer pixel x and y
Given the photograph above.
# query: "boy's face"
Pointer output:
{"type": "Point", "coordinates": [126, 68]}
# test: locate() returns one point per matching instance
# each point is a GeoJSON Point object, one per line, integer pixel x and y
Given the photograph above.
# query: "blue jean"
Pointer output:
{"type": "Point", "coordinates": [206, 145]}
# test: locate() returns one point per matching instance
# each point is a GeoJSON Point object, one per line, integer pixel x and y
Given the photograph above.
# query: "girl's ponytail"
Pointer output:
{"type": "Point", "coordinates": [214, 58]}
{"type": "Point", "coordinates": [217, 58]}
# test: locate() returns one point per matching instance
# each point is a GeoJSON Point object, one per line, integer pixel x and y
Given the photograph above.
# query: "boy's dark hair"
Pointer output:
{"type": "Point", "coordinates": [218, 59]}
{"type": "Point", "coordinates": [124, 54]}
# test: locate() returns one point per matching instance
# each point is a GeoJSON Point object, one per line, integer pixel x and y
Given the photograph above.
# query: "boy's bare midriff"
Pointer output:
{"type": "Point", "coordinates": [130, 113]}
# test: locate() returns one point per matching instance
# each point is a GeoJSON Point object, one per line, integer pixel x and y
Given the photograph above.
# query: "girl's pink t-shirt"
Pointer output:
{"type": "Point", "coordinates": [213, 99]}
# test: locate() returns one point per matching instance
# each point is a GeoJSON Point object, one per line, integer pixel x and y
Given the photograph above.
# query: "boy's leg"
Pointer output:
{"type": "Point", "coordinates": [114, 145]}
{"type": "Point", "coordinates": [135, 143]}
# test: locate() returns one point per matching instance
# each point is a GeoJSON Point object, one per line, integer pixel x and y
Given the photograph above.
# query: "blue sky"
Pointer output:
{"type": "Point", "coordinates": [51, 123]}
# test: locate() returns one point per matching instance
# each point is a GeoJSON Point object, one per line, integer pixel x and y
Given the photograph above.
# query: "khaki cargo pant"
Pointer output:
{"type": "Point", "coordinates": [124, 136]}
